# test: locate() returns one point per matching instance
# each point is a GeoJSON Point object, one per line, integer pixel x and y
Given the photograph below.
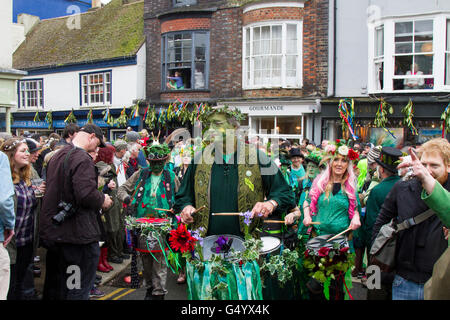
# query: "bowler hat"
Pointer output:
{"type": "Point", "coordinates": [389, 158]}
{"type": "Point", "coordinates": [295, 152]}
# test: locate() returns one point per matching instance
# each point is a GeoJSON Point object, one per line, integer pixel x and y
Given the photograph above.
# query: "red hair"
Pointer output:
{"type": "Point", "coordinates": [106, 154]}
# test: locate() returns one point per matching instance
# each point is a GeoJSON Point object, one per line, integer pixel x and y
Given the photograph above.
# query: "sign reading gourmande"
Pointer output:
{"type": "Point", "coordinates": [266, 108]}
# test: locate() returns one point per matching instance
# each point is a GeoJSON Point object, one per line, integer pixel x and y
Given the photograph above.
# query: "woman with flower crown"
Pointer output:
{"type": "Point", "coordinates": [333, 199]}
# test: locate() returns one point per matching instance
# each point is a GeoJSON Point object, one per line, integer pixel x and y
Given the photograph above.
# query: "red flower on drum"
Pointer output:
{"type": "Point", "coordinates": [323, 252]}
{"type": "Point", "coordinates": [163, 196]}
{"type": "Point", "coordinates": [181, 239]}
{"type": "Point", "coordinates": [344, 249]}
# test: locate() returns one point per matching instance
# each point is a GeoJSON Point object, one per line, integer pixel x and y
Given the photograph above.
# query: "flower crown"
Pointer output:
{"type": "Point", "coordinates": [235, 113]}
{"type": "Point", "coordinates": [13, 145]}
{"type": "Point", "coordinates": [340, 147]}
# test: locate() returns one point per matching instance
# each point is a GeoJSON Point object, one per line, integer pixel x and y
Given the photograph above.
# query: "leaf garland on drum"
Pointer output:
{"type": "Point", "coordinates": [282, 265]}
{"type": "Point", "coordinates": [328, 262]}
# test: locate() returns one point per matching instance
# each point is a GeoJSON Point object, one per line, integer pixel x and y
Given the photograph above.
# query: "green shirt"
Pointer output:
{"type": "Point", "coordinates": [376, 200]}
{"type": "Point", "coordinates": [439, 201]}
{"type": "Point", "coordinates": [224, 197]}
{"type": "Point", "coordinates": [333, 212]}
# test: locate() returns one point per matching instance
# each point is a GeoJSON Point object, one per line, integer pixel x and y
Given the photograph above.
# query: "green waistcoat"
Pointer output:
{"type": "Point", "coordinates": [249, 177]}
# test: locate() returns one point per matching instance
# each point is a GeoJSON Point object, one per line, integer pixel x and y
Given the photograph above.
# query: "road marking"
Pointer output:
{"type": "Point", "coordinates": [111, 294]}
{"type": "Point", "coordinates": [124, 294]}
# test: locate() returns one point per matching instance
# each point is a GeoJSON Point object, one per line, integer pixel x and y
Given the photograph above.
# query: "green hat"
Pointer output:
{"type": "Point", "coordinates": [234, 113]}
{"type": "Point", "coordinates": [157, 152]}
{"type": "Point", "coordinates": [314, 157]}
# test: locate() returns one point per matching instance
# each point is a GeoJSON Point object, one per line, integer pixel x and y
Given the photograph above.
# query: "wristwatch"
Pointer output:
{"type": "Point", "coordinates": [274, 203]}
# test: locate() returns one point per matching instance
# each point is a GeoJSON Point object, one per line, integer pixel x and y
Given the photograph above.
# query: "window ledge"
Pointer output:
{"type": "Point", "coordinates": [186, 91]}
{"type": "Point", "coordinates": [410, 91]}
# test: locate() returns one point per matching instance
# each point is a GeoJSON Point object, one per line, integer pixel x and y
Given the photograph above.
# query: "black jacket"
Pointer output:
{"type": "Point", "coordinates": [80, 189]}
{"type": "Point", "coordinates": [419, 247]}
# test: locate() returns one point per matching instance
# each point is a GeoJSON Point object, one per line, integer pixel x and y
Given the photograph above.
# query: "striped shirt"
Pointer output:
{"type": "Point", "coordinates": [26, 202]}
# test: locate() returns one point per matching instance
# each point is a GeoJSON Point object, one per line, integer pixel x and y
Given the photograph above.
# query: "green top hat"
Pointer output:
{"type": "Point", "coordinates": [157, 152]}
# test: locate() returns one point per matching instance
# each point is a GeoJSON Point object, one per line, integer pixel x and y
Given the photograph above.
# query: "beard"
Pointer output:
{"type": "Point", "coordinates": [443, 178]}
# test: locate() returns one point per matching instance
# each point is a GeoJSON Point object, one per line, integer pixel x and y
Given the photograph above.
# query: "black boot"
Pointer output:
{"type": "Point", "coordinates": [148, 294]}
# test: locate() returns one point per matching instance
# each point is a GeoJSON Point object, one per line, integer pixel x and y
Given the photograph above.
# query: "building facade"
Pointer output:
{"type": "Point", "coordinates": [99, 66]}
{"type": "Point", "coordinates": [392, 50]}
{"type": "Point", "coordinates": [269, 59]}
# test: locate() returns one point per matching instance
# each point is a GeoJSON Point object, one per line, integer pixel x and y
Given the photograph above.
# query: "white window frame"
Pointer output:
{"type": "Point", "coordinates": [439, 42]}
{"type": "Point", "coordinates": [25, 91]}
{"type": "Point", "coordinates": [447, 52]}
{"type": "Point", "coordinates": [299, 63]}
{"type": "Point", "coordinates": [89, 86]}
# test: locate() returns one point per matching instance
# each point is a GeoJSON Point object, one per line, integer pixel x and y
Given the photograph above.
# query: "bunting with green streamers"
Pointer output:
{"type": "Point", "coordinates": [346, 110]}
{"type": "Point", "coordinates": [70, 118]}
{"type": "Point", "coordinates": [36, 117]}
{"type": "Point", "coordinates": [177, 111]}
{"type": "Point", "coordinates": [223, 281]}
{"type": "Point", "coordinates": [108, 118]}
{"type": "Point", "coordinates": [381, 116]}
{"type": "Point", "coordinates": [90, 118]}
{"type": "Point", "coordinates": [122, 120]}
{"type": "Point", "coordinates": [408, 111]}
{"type": "Point", "coordinates": [49, 119]}
{"type": "Point", "coordinates": [445, 117]}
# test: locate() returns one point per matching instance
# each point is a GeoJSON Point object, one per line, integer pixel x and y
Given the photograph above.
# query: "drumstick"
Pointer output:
{"type": "Point", "coordinates": [315, 222]}
{"type": "Point", "coordinates": [273, 221]}
{"type": "Point", "coordinates": [168, 210]}
{"type": "Point", "coordinates": [200, 209]}
{"type": "Point", "coordinates": [226, 214]}
{"type": "Point", "coordinates": [334, 237]}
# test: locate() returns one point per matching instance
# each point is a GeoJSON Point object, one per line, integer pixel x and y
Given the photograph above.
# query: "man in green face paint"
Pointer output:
{"type": "Point", "coordinates": [230, 176]}
{"type": "Point", "coordinates": [145, 191]}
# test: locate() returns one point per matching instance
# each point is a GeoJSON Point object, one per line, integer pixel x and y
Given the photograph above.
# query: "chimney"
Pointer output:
{"type": "Point", "coordinates": [96, 3]}
{"type": "Point", "coordinates": [28, 21]}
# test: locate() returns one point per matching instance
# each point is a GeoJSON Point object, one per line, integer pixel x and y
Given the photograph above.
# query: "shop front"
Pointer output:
{"type": "Point", "coordinates": [271, 120]}
{"type": "Point", "coordinates": [426, 119]}
{"type": "Point", "coordinates": [24, 122]}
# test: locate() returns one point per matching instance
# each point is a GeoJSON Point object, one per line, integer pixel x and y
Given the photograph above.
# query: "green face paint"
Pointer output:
{"type": "Point", "coordinates": [312, 170]}
{"type": "Point", "coordinates": [157, 166]}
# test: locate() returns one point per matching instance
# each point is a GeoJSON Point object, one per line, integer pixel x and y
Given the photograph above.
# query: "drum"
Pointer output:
{"type": "Point", "coordinates": [210, 245]}
{"type": "Point", "coordinates": [150, 243]}
{"type": "Point", "coordinates": [318, 242]}
{"type": "Point", "coordinates": [271, 246]}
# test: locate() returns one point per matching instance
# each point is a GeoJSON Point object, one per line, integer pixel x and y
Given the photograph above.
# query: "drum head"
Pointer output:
{"type": "Point", "coordinates": [209, 245]}
{"type": "Point", "coordinates": [270, 244]}
{"type": "Point", "coordinates": [321, 241]}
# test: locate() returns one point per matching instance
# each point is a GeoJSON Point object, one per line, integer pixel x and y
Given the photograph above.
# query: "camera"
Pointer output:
{"type": "Point", "coordinates": [66, 211]}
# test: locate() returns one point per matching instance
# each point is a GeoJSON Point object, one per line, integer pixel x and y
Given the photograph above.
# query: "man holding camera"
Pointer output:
{"type": "Point", "coordinates": [68, 225]}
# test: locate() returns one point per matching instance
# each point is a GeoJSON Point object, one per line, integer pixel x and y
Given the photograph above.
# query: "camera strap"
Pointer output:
{"type": "Point", "coordinates": [64, 173]}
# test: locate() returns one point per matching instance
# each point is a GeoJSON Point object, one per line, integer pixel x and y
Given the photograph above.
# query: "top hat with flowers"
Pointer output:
{"type": "Point", "coordinates": [315, 157]}
{"type": "Point", "coordinates": [340, 147]}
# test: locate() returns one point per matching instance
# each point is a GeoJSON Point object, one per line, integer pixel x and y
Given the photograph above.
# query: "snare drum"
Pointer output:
{"type": "Point", "coordinates": [209, 245]}
{"type": "Point", "coordinates": [318, 242]}
{"type": "Point", "coordinates": [152, 242]}
{"type": "Point", "coordinates": [271, 246]}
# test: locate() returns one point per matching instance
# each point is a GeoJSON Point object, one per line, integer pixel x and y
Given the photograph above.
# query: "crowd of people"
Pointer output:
{"type": "Point", "coordinates": [71, 195]}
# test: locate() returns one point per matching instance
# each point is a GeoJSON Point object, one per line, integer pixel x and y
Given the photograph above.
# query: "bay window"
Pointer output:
{"type": "Point", "coordinates": [272, 55]}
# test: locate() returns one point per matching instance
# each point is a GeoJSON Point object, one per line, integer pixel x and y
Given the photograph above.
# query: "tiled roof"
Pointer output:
{"type": "Point", "coordinates": [116, 30]}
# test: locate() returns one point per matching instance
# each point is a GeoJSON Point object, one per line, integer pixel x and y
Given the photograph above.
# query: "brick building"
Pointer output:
{"type": "Point", "coordinates": [267, 58]}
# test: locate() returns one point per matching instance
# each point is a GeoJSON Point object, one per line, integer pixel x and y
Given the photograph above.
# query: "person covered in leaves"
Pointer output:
{"type": "Point", "coordinates": [229, 175]}
{"type": "Point", "coordinates": [145, 191]}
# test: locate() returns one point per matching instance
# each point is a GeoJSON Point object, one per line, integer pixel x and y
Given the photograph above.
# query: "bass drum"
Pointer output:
{"type": "Point", "coordinates": [318, 242]}
{"type": "Point", "coordinates": [210, 245]}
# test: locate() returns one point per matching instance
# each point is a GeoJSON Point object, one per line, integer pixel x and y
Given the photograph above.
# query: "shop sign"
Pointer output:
{"type": "Point", "coordinates": [266, 108]}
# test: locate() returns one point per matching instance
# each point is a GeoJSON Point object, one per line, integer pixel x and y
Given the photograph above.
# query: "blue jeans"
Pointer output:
{"type": "Point", "coordinates": [403, 289]}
